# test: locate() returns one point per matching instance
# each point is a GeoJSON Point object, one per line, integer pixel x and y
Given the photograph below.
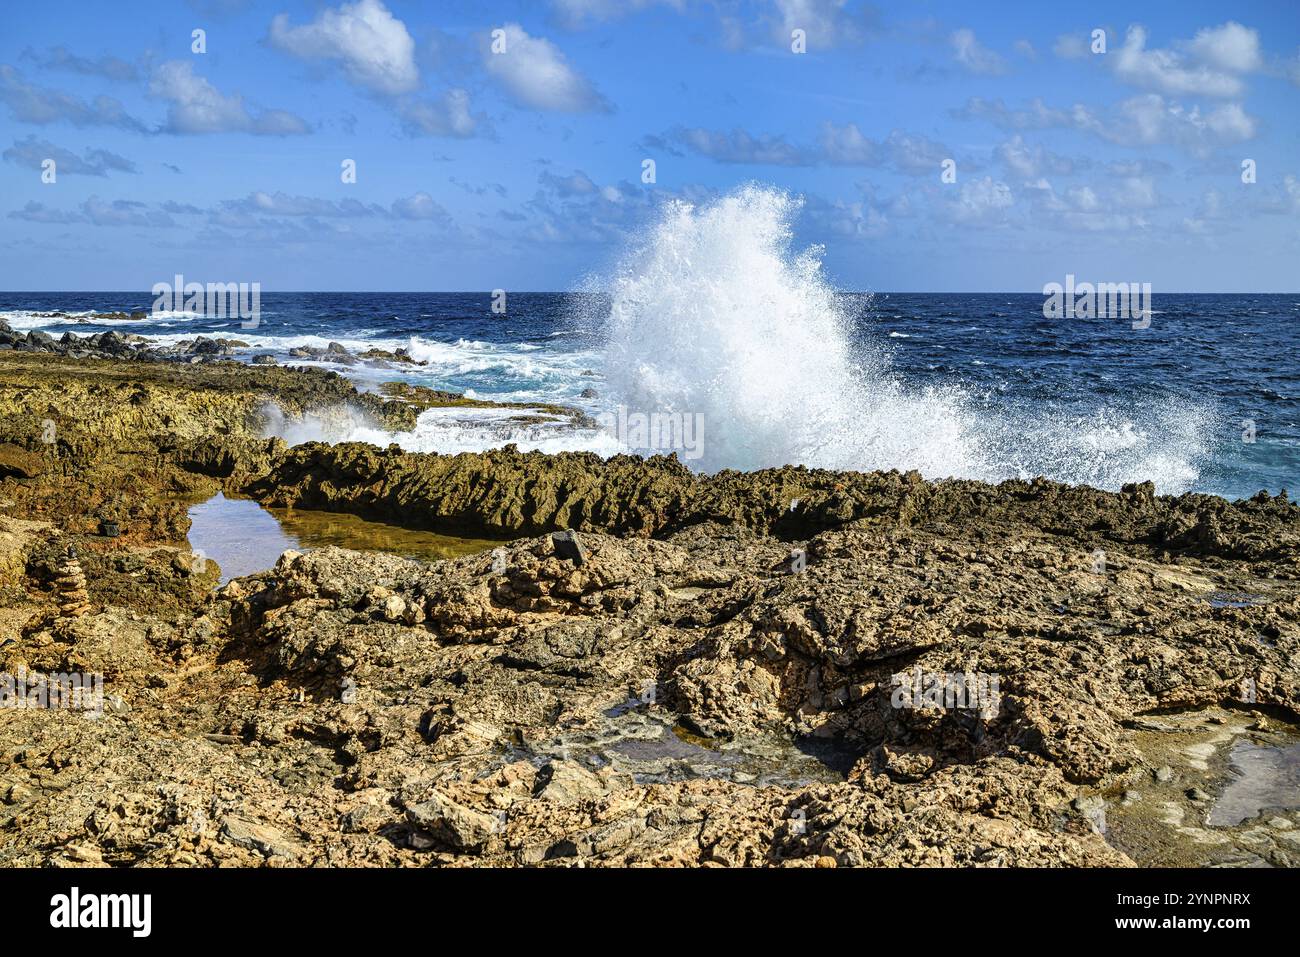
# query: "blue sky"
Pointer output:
{"type": "Point", "coordinates": [522, 169]}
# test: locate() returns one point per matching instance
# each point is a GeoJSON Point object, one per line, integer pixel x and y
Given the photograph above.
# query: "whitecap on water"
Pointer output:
{"type": "Point", "coordinates": [715, 313]}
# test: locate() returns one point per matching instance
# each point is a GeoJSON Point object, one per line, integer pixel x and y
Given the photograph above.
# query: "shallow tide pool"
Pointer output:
{"type": "Point", "coordinates": [244, 538]}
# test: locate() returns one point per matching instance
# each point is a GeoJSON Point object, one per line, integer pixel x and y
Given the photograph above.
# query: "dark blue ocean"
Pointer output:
{"type": "Point", "coordinates": [1205, 399]}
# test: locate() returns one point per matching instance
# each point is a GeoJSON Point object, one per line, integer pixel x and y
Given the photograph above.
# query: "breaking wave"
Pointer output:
{"type": "Point", "coordinates": [714, 313]}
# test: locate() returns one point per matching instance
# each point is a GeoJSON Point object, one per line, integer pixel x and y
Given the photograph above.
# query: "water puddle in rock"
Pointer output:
{"type": "Point", "coordinates": [1266, 778]}
{"type": "Point", "coordinates": [1221, 788]}
{"type": "Point", "coordinates": [1224, 599]}
{"type": "Point", "coordinates": [244, 538]}
{"type": "Point", "coordinates": [652, 748]}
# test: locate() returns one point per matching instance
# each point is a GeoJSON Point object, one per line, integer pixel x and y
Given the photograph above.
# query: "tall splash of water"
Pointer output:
{"type": "Point", "coordinates": [716, 316]}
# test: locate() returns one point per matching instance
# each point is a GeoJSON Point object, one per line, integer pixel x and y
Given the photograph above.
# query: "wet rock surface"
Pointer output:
{"type": "Point", "coordinates": [1228, 795]}
{"type": "Point", "coordinates": [657, 668]}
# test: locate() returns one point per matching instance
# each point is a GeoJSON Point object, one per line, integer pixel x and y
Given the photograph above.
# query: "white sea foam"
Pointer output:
{"type": "Point", "coordinates": [455, 430]}
{"type": "Point", "coordinates": [339, 424]}
{"type": "Point", "coordinates": [24, 320]}
{"type": "Point", "coordinates": [464, 357]}
{"type": "Point", "coordinates": [715, 313]}
{"type": "Point", "coordinates": [1105, 448]}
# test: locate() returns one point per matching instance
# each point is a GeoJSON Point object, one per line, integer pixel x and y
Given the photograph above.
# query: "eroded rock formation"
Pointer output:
{"type": "Point", "coordinates": [711, 670]}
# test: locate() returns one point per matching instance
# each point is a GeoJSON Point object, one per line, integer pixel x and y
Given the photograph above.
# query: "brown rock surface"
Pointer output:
{"type": "Point", "coordinates": [683, 695]}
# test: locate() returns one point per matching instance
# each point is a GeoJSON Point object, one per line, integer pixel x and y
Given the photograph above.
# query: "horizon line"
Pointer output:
{"type": "Point", "coordinates": [579, 292]}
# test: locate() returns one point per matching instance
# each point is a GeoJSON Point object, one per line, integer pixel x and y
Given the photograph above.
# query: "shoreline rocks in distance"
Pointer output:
{"type": "Point", "coordinates": [111, 344]}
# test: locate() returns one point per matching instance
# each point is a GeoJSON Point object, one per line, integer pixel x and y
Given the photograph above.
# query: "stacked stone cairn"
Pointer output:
{"type": "Point", "coordinates": [70, 584]}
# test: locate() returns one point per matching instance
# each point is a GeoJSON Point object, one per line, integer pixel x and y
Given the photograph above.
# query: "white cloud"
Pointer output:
{"type": "Point", "coordinates": [859, 219]}
{"type": "Point", "coordinates": [1152, 119]}
{"type": "Point", "coordinates": [97, 212]}
{"type": "Point", "coordinates": [578, 184]}
{"type": "Point", "coordinates": [1228, 47]}
{"type": "Point", "coordinates": [1083, 198]}
{"type": "Point", "coordinates": [1210, 214]}
{"type": "Point", "coordinates": [41, 105]}
{"type": "Point", "coordinates": [122, 212]}
{"type": "Point", "coordinates": [741, 146]}
{"type": "Point", "coordinates": [449, 116]}
{"type": "Point", "coordinates": [980, 201]}
{"type": "Point", "coordinates": [575, 209]}
{"type": "Point", "coordinates": [375, 48]}
{"type": "Point", "coordinates": [420, 206]}
{"type": "Point", "coordinates": [284, 204]}
{"type": "Point", "coordinates": [974, 56]}
{"type": "Point", "coordinates": [1166, 71]}
{"type": "Point", "coordinates": [32, 152]}
{"type": "Point", "coordinates": [278, 123]}
{"type": "Point", "coordinates": [108, 67]}
{"type": "Point", "coordinates": [1030, 162]}
{"type": "Point", "coordinates": [1070, 46]}
{"type": "Point", "coordinates": [824, 22]}
{"type": "Point", "coordinates": [1292, 186]}
{"type": "Point", "coordinates": [35, 212]}
{"type": "Point", "coordinates": [847, 146]}
{"type": "Point", "coordinates": [1146, 120]}
{"type": "Point", "coordinates": [196, 106]}
{"type": "Point", "coordinates": [1036, 116]}
{"type": "Point", "coordinates": [1085, 209]}
{"type": "Point", "coordinates": [1231, 123]}
{"type": "Point", "coordinates": [536, 74]}
{"type": "Point", "coordinates": [1137, 192]}
{"type": "Point", "coordinates": [914, 153]}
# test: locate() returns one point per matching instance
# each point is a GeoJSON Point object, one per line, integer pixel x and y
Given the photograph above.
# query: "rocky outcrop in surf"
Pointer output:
{"type": "Point", "coordinates": [507, 492]}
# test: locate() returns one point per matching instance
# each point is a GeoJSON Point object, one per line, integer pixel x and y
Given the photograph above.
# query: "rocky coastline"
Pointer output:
{"type": "Point", "coordinates": [651, 668]}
